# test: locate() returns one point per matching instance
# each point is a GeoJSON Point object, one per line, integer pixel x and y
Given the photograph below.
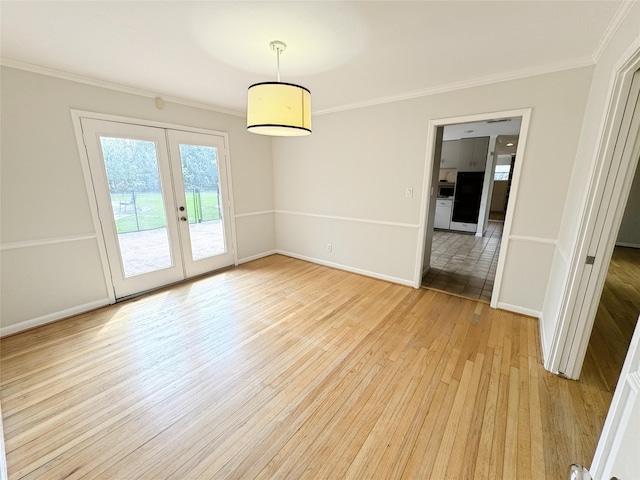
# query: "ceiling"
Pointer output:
{"type": "Point", "coordinates": [506, 129]}
{"type": "Point", "coordinates": [502, 126]}
{"type": "Point", "coordinates": [346, 53]}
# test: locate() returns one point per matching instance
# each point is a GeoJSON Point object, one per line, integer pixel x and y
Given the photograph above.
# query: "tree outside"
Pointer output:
{"type": "Point", "coordinates": [134, 183]}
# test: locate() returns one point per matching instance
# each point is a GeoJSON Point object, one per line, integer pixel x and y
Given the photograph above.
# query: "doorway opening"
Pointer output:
{"type": "Point", "coordinates": [473, 169]}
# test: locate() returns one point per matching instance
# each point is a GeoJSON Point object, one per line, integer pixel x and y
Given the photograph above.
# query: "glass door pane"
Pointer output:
{"type": "Point", "coordinates": [201, 178]}
{"type": "Point", "coordinates": [137, 204]}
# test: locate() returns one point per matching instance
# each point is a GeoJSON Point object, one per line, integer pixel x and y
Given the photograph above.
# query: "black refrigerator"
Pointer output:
{"type": "Point", "coordinates": [466, 202]}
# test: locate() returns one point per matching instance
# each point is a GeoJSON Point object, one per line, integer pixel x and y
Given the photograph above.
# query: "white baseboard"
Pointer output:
{"type": "Point", "coordinates": [629, 245]}
{"type": "Point", "coordinates": [521, 310]}
{"type": "Point", "coordinates": [346, 268]}
{"type": "Point", "coordinates": [255, 257]}
{"type": "Point", "coordinates": [52, 317]}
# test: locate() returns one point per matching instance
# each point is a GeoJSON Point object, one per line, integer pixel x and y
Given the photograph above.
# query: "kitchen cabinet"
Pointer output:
{"type": "Point", "coordinates": [443, 213]}
{"type": "Point", "coordinates": [450, 154]}
{"type": "Point", "coordinates": [473, 154]}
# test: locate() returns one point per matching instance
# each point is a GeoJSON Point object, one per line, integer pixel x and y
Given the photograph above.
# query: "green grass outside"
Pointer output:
{"type": "Point", "coordinates": [150, 214]}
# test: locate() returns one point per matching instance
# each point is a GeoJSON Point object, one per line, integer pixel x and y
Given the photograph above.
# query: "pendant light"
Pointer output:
{"type": "Point", "coordinates": [278, 108]}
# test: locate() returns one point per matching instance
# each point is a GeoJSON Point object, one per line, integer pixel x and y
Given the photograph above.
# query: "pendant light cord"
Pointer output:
{"type": "Point", "coordinates": [278, 46]}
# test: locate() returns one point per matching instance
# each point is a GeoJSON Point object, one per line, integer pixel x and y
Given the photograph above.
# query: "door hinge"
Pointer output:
{"type": "Point", "coordinates": [590, 260]}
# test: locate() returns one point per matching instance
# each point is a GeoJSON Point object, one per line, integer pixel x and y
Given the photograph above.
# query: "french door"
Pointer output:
{"type": "Point", "coordinates": [163, 202]}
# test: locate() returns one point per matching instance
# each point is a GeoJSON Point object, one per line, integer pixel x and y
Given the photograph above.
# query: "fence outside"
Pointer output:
{"type": "Point", "coordinates": [141, 211]}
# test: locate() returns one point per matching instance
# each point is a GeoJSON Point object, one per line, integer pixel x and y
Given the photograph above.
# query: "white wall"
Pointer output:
{"type": "Point", "coordinates": [343, 185]}
{"type": "Point", "coordinates": [583, 170]}
{"type": "Point", "coordinates": [629, 234]}
{"type": "Point", "coordinates": [353, 171]}
{"type": "Point", "coordinates": [50, 262]}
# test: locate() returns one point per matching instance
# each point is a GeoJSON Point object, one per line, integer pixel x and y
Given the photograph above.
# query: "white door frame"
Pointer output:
{"type": "Point", "coordinates": [76, 115]}
{"type": "Point", "coordinates": [427, 181]}
{"type": "Point", "coordinates": [573, 329]}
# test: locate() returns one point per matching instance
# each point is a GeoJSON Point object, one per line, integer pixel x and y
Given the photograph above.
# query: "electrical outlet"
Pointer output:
{"type": "Point", "coordinates": [408, 192]}
{"type": "Point", "coordinates": [329, 247]}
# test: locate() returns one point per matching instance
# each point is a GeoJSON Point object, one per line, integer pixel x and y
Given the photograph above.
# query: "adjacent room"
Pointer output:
{"type": "Point", "coordinates": [475, 176]}
{"type": "Point", "coordinates": [369, 239]}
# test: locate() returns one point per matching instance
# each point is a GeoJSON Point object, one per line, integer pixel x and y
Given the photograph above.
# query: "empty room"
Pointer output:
{"type": "Point", "coordinates": [217, 219]}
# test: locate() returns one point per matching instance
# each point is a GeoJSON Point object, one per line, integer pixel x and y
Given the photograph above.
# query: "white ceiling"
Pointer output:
{"type": "Point", "coordinates": [346, 53]}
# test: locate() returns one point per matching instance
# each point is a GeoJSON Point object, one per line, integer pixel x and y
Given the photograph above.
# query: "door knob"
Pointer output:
{"type": "Point", "coordinates": [181, 209]}
{"type": "Point", "coordinates": [184, 219]}
{"type": "Point", "coordinates": [578, 472]}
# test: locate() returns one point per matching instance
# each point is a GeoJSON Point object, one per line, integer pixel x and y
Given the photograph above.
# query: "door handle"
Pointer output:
{"type": "Point", "coordinates": [184, 219]}
{"type": "Point", "coordinates": [181, 209]}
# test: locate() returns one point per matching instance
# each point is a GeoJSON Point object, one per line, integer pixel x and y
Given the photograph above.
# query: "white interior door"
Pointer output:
{"type": "Point", "coordinates": [617, 451]}
{"type": "Point", "coordinates": [163, 202]}
{"type": "Point", "coordinates": [603, 229]}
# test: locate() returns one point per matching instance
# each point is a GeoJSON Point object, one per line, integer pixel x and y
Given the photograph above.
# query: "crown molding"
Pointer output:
{"type": "Point", "coordinates": [478, 82]}
{"type": "Point", "coordinates": [612, 29]}
{"type": "Point", "coordinates": [7, 62]}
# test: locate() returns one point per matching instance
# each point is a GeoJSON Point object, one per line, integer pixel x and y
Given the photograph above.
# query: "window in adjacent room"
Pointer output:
{"type": "Point", "coordinates": [502, 172]}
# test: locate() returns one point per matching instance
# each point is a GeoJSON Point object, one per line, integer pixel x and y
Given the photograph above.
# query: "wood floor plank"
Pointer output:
{"type": "Point", "coordinates": [499, 447]}
{"type": "Point", "coordinates": [360, 369]}
{"type": "Point", "coordinates": [536, 422]}
{"type": "Point", "coordinates": [457, 458]}
{"type": "Point", "coordinates": [523, 441]}
{"type": "Point", "coordinates": [510, 466]}
{"type": "Point", "coordinates": [448, 439]}
{"type": "Point", "coordinates": [477, 410]}
{"type": "Point", "coordinates": [284, 369]}
{"type": "Point", "coordinates": [365, 463]}
{"type": "Point", "coordinates": [407, 432]}
{"type": "Point", "coordinates": [487, 431]}
{"type": "Point", "coordinates": [424, 454]}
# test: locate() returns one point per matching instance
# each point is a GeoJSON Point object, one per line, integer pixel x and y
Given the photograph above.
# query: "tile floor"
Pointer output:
{"type": "Point", "coordinates": [464, 264]}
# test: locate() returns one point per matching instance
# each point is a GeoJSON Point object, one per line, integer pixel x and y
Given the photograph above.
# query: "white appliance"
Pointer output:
{"type": "Point", "coordinates": [443, 213]}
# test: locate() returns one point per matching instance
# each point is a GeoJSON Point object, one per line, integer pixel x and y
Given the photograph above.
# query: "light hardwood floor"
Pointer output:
{"type": "Point", "coordinates": [285, 369]}
{"type": "Point", "coordinates": [615, 320]}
